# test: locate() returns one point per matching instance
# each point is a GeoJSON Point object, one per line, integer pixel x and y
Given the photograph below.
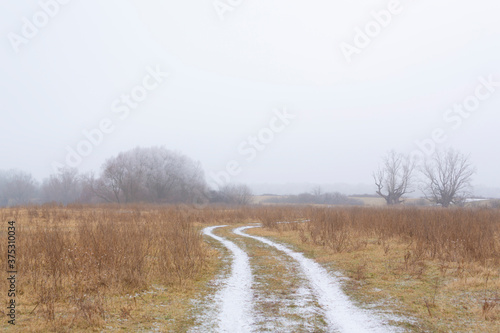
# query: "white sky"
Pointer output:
{"type": "Point", "coordinates": [227, 76]}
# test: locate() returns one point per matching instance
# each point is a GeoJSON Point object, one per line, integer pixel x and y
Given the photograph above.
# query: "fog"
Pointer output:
{"type": "Point", "coordinates": [259, 92]}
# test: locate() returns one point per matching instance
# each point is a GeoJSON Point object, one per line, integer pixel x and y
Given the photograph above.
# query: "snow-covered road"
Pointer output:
{"type": "Point", "coordinates": [341, 314]}
{"type": "Point", "coordinates": [234, 302]}
{"type": "Point", "coordinates": [235, 299]}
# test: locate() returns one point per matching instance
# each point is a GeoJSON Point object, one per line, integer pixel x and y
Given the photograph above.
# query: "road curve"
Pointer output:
{"type": "Point", "coordinates": [235, 299]}
{"type": "Point", "coordinates": [340, 313]}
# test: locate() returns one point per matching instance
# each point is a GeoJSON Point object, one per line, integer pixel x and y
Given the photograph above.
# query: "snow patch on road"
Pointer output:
{"type": "Point", "coordinates": [341, 314]}
{"type": "Point", "coordinates": [235, 299]}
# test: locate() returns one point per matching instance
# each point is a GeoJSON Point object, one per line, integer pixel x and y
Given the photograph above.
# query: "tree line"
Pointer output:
{"type": "Point", "coordinates": [158, 175]}
{"type": "Point", "coordinates": [152, 175]}
{"type": "Point", "coordinates": [316, 197]}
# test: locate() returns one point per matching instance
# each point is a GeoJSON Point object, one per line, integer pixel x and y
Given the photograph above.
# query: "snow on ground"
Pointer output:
{"type": "Point", "coordinates": [278, 311]}
{"type": "Point", "coordinates": [235, 299]}
{"type": "Point", "coordinates": [341, 314]}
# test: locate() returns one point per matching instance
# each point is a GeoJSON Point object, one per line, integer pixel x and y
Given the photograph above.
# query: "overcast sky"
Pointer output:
{"type": "Point", "coordinates": [350, 80]}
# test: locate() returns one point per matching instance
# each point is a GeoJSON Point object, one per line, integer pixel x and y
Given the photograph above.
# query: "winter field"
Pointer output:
{"type": "Point", "coordinates": [149, 268]}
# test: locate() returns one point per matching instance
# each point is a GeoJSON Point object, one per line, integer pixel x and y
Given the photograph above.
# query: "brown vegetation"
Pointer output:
{"type": "Point", "coordinates": [456, 235]}
{"type": "Point", "coordinates": [76, 263]}
{"type": "Point", "coordinates": [441, 265]}
{"type": "Point", "coordinates": [74, 258]}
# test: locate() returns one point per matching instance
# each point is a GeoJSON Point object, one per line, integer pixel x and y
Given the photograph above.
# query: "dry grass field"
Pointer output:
{"type": "Point", "coordinates": [79, 266]}
{"type": "Point", "coordinates": [438, 266]}
{"type": "Point", "coordinates": [130, 267]}
{"type": "Point", "coordinates": [138, 267]}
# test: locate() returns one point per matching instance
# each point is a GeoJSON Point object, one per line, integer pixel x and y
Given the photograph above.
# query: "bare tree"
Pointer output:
{"type": "Point", "coordinates": [17, 188]}
{"type": "Point", "coordinates": [102, 188]}
{"type": "Point", "coordinates": [64, 187]}
{"type": "Point", "coordinates": [153, 174]}
{"type": "Point", "coordinates": [236, 194]}
{"type": "Point", "coordinates": [171, 176]}
{"type": "Point", "coordinates": [448, 176]}
{"type": "Point", "coordinates": [317, 192]}
{"type": "Point", "coordinates": [4, 199]}
{"type": "Point", "coordinates": [393, 179]}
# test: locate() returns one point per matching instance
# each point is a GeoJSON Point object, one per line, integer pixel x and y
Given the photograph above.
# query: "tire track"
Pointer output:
{"type": "Point", "coordinates": [283, 299]}
{"type": "Point", "coordinates": [235, 299]}
{"type": "Point", "coordinates": [340, 313]}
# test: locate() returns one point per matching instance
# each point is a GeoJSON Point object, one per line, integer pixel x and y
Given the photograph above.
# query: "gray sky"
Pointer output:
{"type": "Point", "coordinates": [231, 71]}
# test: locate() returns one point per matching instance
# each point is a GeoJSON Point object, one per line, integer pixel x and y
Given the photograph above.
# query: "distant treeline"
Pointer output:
{"type": "Point", "coordinates": [328, 198]}
{"type": "Point", "coordinates": [152, 175]}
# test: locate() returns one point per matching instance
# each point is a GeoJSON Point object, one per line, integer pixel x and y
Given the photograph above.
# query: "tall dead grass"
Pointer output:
{"type": "Point", "coordinates": [454, 235]}
{"type": "Point", "coordinates": [442, 264]}
{"type": "Point", "coordinates": [76, 257]}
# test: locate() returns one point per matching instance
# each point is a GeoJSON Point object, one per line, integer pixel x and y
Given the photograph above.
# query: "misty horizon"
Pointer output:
{"type": "Point", "coordinates": [217, 85]}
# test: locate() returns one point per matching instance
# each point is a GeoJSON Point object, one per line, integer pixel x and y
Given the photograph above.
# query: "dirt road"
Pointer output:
{"type": "Point", "coordinates": [268, 287]}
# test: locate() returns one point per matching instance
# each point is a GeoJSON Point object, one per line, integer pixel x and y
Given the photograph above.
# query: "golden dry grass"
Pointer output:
{"type": "Point", "coordinates": [440, 266]}
{"type": "Point", "coordinates": [73, 262]}
{"type": "Point", "coordinates": [137, 267]}
{"type": "Point", "coordinates": [94, 267]}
